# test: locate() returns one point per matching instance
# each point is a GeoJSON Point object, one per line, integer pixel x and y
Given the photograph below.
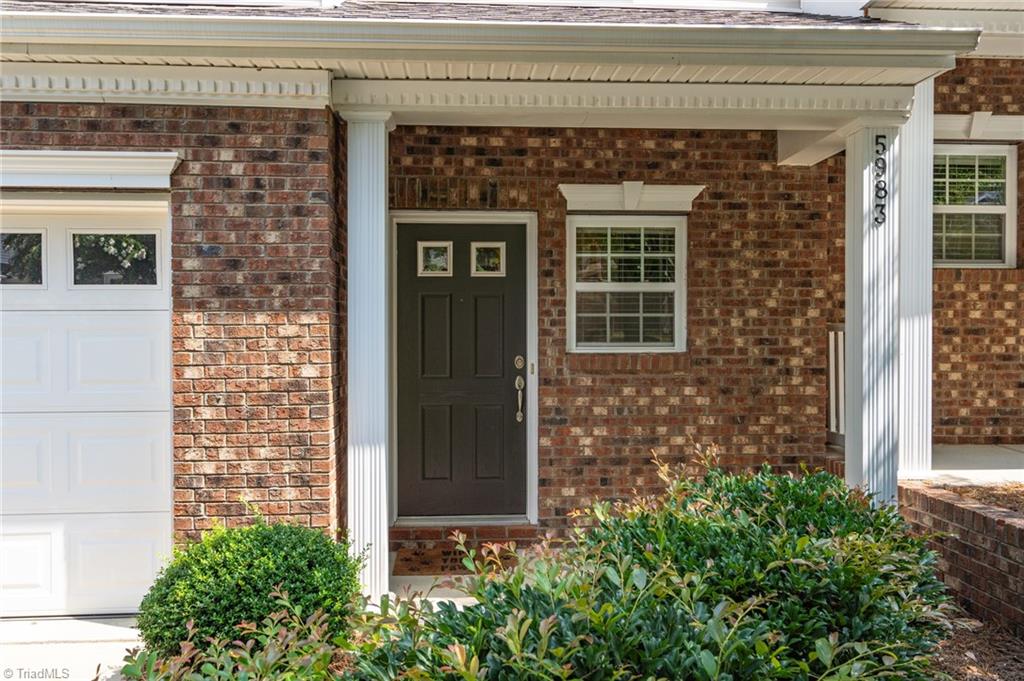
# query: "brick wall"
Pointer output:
{"type": "Point", "coordinates": [979, 313]}
{"type": "Point", "coordinates": [978, 394]}
{"type": "Point", "coordinates": [981, 550]}
{"type": "Point", "coordinates": [994, 85]}
{"type": "Point", "coordinates": [255, 296]}
{"type": "Point", "coordinates": [753, 377]}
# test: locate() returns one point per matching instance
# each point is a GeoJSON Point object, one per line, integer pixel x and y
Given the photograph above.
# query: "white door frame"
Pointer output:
{"type": "Point", "coordinates": [482, 218]}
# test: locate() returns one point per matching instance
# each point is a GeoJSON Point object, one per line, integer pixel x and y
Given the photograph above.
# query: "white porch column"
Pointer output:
{"type": "Point", "coordinates": [368, 334]}
{"type": "Point", "coordinates": [872, 310]}
{"type": "Point", "coordinates": [917, 147]}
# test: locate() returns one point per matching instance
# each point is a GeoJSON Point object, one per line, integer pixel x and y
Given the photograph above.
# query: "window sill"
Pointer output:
{"type": "Point", "coordinates": [626, 350]}
{"type": "Point", "coordinates": [973, 266]}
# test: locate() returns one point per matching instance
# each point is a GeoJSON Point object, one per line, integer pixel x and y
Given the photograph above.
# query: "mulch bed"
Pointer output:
{"type": "Point", "coordinates": [985, 653]}
{"type": "Point", "coordinates": [1007, 495]}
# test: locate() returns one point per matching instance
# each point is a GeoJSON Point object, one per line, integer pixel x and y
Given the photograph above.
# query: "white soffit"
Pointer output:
{"type": "Point", "coordinates": [61, 169]}
{"type": "Point", "coordinates": [630, 197]}
{"type": "Point", "coordinates": [165, 84]}
{"type": "Point", "coordinates": [981, 126]}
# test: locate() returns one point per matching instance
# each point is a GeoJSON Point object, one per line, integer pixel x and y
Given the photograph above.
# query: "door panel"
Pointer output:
{"type": "Point", "coordinates": [461, 449]}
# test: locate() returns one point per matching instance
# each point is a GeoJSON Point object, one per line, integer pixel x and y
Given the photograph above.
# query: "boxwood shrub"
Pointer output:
{"type": "Point", "coordinates": [230, 575]}
{"type": "Point", "coordinates": [755, 576]}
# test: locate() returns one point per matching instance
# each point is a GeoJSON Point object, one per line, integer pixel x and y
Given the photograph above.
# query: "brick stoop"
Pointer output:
{"type": "Point", "coordinates": [981, 550]}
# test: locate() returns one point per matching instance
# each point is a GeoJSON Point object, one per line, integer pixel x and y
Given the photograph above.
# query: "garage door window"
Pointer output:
{"type": "Point", "coordinates": [114, 259]}
{"type": "Point", "coordinates": [21, 258]}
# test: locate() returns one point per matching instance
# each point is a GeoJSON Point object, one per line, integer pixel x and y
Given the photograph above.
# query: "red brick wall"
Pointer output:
{"type": "Point", "coordinates": [981, 549]}
{"type": "Point", "coordinates": [979, 313]}
{"type": "Point", "coordinates": [255, 296]}
{"type": "Point", "coordinates": [978, 395]}
{"type": "Point", "coordinates": [994, 85]}
{"type": "Point", "coordinates": [753, 376]}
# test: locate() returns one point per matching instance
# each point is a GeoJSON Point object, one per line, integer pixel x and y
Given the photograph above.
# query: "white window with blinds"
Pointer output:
{"type": "Point", "coordinates": [626, 283]}
{"type": "Point", "coordinates": [975, 205]}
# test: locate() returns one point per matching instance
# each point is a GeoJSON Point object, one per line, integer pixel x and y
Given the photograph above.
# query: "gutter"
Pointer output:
{"type": "Point", "coordinates": [453, 37]}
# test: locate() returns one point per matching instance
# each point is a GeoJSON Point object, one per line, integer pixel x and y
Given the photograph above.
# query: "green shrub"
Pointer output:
{"type": "Point", "coordinates": [285, 646]}
{"type": "Point", "coordinates": [756, 576]}
{"type": "Point", "coordinates": [228, 577]}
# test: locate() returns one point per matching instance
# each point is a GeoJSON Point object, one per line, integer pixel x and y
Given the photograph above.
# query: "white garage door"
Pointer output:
{"type": "Point", "coordinates": [86, 405]}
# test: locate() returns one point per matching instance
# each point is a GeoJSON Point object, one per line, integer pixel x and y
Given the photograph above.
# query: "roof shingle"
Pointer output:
{"type": "Point", "coordinates": [397, 10]}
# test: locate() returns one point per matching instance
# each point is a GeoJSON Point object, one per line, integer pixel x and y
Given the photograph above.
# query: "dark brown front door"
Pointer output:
{"type": "Point", "coordinates": [461, 327]}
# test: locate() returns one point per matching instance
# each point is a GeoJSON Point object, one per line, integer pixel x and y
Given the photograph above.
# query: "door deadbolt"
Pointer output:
{"type": "Point", "coordinates": [519, 361]}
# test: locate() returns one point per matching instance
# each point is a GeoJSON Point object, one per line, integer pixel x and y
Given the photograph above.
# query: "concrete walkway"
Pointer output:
{"type": "Point", "coordinates": [977, 464]}
{"type": "Point", "coordinates": [75, 649]}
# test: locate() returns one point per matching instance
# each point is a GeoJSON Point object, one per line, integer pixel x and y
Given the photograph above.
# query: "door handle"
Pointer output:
{"type": "Point", "coordinates": [520, 384]}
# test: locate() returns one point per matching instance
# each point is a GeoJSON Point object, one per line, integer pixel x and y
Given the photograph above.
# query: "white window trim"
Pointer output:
{"type": "Point", "coordinates": [1009, 210]}
{"type": "Point", "coordinates": [161, 275]}
{"type": "Point", "coordinates": [678, 287]}
{"type": "Point", "coordinates": [44, 251]}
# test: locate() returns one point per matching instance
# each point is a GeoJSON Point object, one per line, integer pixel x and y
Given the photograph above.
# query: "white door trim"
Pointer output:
{"type": "Point", "coordinates": [482, 218]}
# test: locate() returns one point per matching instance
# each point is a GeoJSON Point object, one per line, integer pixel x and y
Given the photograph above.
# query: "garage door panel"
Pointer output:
{"type": "Point", "coordinates": [86, 463]}
{"type": "Point", "coordinates": [117, 356]}
{"type": "Point", "coordinates": [29, 556]}
{"type": "Point", "coordinates": [112, 562]}
{"type": "Point", "coordinates": [27, 462]}
{"type": "Point", "coordinates": [91, 361]}
{"type": "Point", "coordinates": [85, 563]}
{"type": "Point", "coordinates": [27, 365]}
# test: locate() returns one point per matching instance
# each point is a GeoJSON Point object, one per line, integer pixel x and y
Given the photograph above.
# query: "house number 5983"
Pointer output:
{"type": "Point", "coordinates": [881, 188]}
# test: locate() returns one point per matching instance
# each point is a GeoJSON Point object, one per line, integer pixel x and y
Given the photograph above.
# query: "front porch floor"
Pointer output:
{"type": "Point", "coordinates": [977, 464]}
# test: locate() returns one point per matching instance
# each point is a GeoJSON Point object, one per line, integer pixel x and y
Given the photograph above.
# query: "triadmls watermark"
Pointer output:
{"type": "Point", "coordinates": [37, 673]}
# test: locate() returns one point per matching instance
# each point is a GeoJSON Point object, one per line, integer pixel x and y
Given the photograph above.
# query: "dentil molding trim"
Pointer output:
{"type": "Point", "coordinates": [630, 196]}
{"type": "Point", "coordinates": [211, 86]}
{"type": "Point", "coordinates": [399, 95]}
{"type": "Point", "coordinates": [62, 169]}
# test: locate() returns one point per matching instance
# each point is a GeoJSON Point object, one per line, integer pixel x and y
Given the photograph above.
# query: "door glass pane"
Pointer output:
{"type": "Point", "coordinates": [21, 258]}
{"type": "Point", "coordinates": [115, 259]}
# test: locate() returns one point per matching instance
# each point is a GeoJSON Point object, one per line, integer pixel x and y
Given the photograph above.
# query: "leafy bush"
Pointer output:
{"type": "Point", "coordinates": [284, 646]}
{"type": "Point", "coordinates": [228, 577]}
{"type": "Point", "coordinates": [756, 576]}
